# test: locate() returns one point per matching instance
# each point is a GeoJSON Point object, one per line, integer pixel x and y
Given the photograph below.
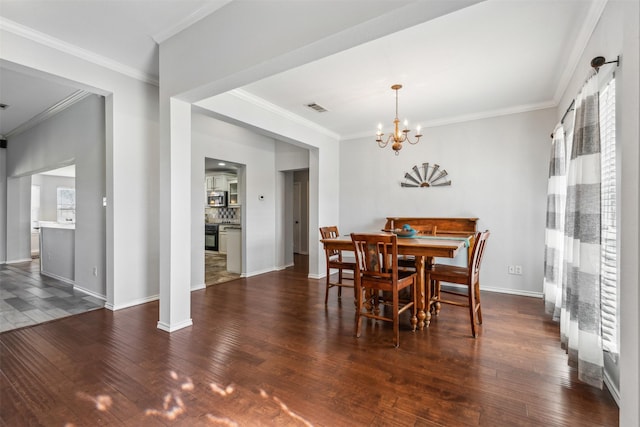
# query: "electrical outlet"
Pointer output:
{"type": "Point", "coordinates": [511, 269]}
{"type": "Point", "coordinates": [518, 269]}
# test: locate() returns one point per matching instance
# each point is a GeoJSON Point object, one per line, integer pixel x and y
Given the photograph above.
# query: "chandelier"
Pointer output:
{"type": "Point", "coordinates": [399, 135]}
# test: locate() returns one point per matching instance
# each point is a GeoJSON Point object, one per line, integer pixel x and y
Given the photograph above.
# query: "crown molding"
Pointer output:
{"type": "Point", "coordinates": [50, 112]}
{"type": "Point", "coordinates": [205, 10]}
{"type": "Point", "coordinates": [265, 105]}
{"type": "Point", "coordinates": [87, 55]}
{"type": "Point", "coordinates": [288, 115]}
{"type": "Point", "coordinates": [468, 117]}
{"type": "Point", "coordinates": [588, 27]}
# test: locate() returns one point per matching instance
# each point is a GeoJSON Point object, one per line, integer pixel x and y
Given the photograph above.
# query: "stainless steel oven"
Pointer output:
{"type": "Point", "coordinates": [211, 237]}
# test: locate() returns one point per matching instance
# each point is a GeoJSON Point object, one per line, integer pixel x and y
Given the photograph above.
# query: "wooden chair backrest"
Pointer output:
{"type": "Point", "coordinates": [330, 232]}
{"type": "Point", "coordinates": [476, 255]}
{"type": "Point", "coordinates": [376, 256]}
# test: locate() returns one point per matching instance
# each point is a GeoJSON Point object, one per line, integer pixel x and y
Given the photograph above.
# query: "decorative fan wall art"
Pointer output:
{"type": "Point", "coordinates": [426, 176]}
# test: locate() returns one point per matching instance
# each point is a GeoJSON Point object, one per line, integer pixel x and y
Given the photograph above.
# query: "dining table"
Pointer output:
{"type": "Point", "coordinates": [424, 248]}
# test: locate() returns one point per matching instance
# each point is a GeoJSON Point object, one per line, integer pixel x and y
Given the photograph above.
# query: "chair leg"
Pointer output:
{"type": "Point", "coordinates": [326, 292]}
{"type": "Point", "coordinates": [479, 306]}
{"type": "Point", "coordinates": [472, 311]}
{"type": "Point", "coordinates": [359, 305]}
{"type": "Point", "coordinates": [396, 321]}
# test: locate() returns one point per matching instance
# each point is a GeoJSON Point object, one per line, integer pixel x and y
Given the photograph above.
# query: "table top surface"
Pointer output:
{"type": "Point", "coordinates": [446, 245]}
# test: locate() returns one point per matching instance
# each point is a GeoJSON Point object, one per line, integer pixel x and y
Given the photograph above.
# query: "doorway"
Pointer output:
{"type": "Point", "coordinates": [223, 220]}
{"type": "Point", "coordinates": [300, 219]}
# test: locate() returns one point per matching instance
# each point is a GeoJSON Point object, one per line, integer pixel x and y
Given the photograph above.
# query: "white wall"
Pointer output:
{"type": "Point", "coordinates": [323, 159]}
{"type": "Point", "coordinates": [498, 168]}
{"type": "Point", "coordinates": [76, 134]}
{"type": "Point", "coordinates": [216, 139]}
{"type": "Point", "coordinates": [132, 268]}
{"type": "Point", "coordinates": [18, 243]}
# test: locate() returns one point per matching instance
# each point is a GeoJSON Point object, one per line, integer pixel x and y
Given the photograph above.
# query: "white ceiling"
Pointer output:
{"type": "Point", "coordinates": [495, 57]}
{"type": "Point", "coordinates": [67, 171]}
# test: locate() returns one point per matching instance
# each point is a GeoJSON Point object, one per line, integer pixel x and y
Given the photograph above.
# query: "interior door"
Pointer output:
{"type": "Point", "coordinates": [297, 212]}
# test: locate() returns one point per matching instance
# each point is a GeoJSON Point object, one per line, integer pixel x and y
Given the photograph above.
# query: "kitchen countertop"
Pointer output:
{"type": "Point", "coordinates": [52, 224]}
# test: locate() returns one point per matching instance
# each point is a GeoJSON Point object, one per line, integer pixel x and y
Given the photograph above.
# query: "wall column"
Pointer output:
{"type": "Point", "coordinates": [18, 219]}
{"type": "Point", "coordinates": [175, 215]}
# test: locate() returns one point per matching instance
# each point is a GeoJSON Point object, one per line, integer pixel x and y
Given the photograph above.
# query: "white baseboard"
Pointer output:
{"type": "Point", "coordinates": [316, 276]}
{"type": "Point", "coordinates": [132, 303]}
{"type": "Point", "coordinates": [615, 393]}
{"type": "Point", "coordinates": [172, 328]}
{"type": "Point", "coordinates": [513, 292]}
{"type": "Point", "coordinates": [198, 287]}
{"type": "Point", "coordinates": [257, 273]}
{"type": "Point", "coordinates": [18, 261]}
{"type": "Point", "coordinates": [90, 293]}
{"type": "Point", "coordinates": [62, 279]}
{"type": "Point", "coordinates": [283, 267]}
{"type": "Point", "coordinates": [518, 292]}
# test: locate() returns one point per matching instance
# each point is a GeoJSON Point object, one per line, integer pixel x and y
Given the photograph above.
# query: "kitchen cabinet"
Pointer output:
{"type": "Point", "coordinates": [222, 240]}
{"type": "Point", "coordinates": [221, 181]}
{"type": "Point", "coordinates": [233, 193]}
{"type": "Point", "coordinates": [234, 250]}
{"type": "Point", "coordinates": [209, 185]}
{"type": "Point", "coordinates": [57, 251]}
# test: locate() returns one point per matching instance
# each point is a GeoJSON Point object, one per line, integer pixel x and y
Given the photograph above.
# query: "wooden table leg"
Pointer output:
{"type": "Point", "coordinates": [427, 278]}
{"type": "Point", "coordinates": [421, 292]}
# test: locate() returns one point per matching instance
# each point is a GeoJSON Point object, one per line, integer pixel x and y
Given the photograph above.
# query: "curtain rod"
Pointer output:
{"type": "Point", "coordinates": [570, 108]}
{"type": "Point", "coordinates": [596, 63]}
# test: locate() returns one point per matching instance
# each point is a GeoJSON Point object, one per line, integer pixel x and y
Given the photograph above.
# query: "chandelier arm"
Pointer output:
{"type": "Point", "coordinates": [382, 143]}
{"type": "Point", "coordinates": [413, 143]}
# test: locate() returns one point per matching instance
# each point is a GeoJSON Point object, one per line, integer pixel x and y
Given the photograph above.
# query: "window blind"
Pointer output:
{"type": "Point", "coordinates": [609, 254]}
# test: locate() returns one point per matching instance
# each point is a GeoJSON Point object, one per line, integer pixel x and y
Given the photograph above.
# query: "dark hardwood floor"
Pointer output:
{"type": "Point", "coordinates": [266, 351]}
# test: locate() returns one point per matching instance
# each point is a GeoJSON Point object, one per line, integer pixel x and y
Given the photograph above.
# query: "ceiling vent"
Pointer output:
{"type": "Point", "coordinates": [317, 107]}
{"type": "Point", "coordinates": [3, 106]}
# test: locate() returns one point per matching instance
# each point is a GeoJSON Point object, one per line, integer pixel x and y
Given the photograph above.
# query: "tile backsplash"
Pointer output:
{"type": "Point", "coordinates": [232, 215]}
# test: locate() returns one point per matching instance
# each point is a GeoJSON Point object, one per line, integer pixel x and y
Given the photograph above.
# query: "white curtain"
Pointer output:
{"type": "Point", "coordinates": [554, 232]}
{"type": "Point", "coordinates": [580, 321]}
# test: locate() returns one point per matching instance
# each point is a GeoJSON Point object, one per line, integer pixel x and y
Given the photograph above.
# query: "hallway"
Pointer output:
{"type": "Point", "coordinates": [28, 298]}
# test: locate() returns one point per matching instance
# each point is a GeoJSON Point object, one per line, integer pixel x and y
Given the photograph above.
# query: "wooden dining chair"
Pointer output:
{"type": "Point", "coordinates": [376, 272]}
{"type": "Point", "coordinates": [469, 276]}
{"type": "Point", "coordinates": [336, 261]}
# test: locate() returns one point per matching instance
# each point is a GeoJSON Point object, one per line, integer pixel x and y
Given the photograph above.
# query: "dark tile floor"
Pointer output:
{"type": "Point", "coordinates": [28, 298]}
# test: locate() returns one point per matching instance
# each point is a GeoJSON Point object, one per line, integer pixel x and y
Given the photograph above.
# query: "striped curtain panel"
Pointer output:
{"type": "Point", "coordinates": [580, 321]}
{"type": "Point", "coordinates": [554, 232]}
